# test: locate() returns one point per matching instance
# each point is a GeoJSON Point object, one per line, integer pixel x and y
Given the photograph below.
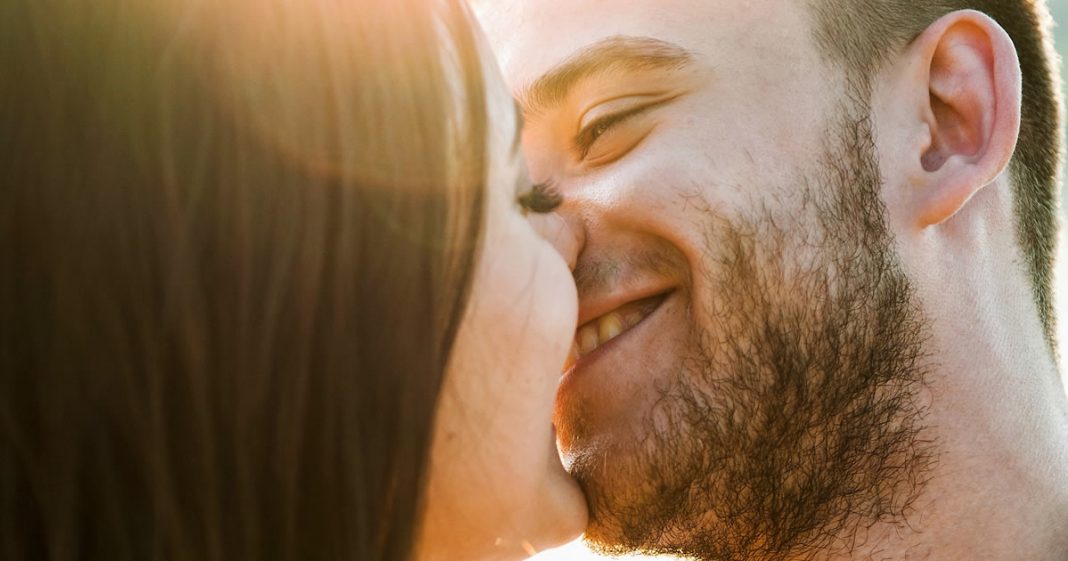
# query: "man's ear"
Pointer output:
{"type": "Point", "coordinates": [969, 73]}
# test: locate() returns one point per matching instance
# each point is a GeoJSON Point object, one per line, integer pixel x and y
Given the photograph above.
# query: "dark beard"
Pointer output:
{"type": "Point", "coordinates": [796, 424]}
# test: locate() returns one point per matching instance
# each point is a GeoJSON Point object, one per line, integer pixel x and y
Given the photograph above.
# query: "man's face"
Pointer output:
{"type": "Point", "coordinates": [750, 347]}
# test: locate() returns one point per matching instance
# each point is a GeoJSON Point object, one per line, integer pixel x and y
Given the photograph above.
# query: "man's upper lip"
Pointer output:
{"type": "Point", "coordinates": [594, 307]}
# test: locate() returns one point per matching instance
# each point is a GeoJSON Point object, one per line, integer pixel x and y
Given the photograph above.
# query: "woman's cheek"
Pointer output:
{"type": "Point", "coordinates": [559, 304]}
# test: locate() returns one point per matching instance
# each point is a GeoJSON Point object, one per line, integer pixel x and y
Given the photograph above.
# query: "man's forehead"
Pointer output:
{"type": "Point", "coordinates": [531, 37]}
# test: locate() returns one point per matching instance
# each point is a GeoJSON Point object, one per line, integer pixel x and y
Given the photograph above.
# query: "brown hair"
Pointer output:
{"type": "Point", "coordinates": [862, 35]}
{"type": "Point", "coordinates": [235, 240]}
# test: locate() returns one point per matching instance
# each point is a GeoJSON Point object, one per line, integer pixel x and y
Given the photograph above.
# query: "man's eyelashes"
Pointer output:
{"type": "Point", "coordinates": [586, 137]}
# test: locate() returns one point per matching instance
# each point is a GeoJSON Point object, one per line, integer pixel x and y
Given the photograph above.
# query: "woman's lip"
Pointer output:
{"type": "Point", "coordinates": [574, 362]}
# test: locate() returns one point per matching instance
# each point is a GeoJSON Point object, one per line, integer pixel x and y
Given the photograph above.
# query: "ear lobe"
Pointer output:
{"type": "Point", "coordinates": [972, 113]}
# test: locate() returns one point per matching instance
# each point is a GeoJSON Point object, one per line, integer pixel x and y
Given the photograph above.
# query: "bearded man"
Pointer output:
{"type": "Point", "coordinates": [816, 295]}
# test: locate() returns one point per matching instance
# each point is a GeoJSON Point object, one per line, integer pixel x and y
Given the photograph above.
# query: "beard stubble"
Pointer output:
{"type": "Point", "coordinates": [794, 425]}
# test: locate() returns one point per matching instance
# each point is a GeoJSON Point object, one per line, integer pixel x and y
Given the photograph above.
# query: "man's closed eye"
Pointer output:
{"type": "Point", "coordinates": [608, 138]}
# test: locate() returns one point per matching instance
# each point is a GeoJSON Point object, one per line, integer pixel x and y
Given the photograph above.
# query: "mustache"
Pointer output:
{"type": "Point", "coordinates": [608, 268]}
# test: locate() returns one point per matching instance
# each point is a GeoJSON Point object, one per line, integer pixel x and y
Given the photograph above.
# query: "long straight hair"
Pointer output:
{"type": "Point", "coordinates": [235, 243]}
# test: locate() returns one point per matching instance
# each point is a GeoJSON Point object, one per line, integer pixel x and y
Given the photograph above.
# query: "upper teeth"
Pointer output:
{"type": "Point", "coordinates": [609, 326]}
{"type": "Point", "coordinates": [597, 333]}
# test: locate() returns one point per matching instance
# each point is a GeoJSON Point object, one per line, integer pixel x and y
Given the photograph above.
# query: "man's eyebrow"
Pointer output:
{"type": "Point", "coordinates": [618, 53]}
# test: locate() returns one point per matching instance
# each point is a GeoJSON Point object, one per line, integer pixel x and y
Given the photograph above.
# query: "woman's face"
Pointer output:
{"type": "Point", "coordinates": [496, 485]}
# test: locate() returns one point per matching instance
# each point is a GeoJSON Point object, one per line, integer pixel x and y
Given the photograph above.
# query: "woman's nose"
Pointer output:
{"type": "Point", "coordinates": [565, 234]}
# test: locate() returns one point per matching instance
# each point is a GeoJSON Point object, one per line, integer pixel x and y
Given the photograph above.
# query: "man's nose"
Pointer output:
{"type": "Point", "coordinates": [564, 232]}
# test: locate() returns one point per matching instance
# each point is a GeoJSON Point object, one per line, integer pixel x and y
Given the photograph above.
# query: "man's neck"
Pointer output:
{"type": "Point", "coordinates": [998, 489]}
{"type": "Point", "coordinates": [999, 416]}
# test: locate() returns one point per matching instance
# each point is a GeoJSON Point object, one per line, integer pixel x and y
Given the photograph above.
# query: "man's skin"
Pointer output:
{"type": "Point", "coordinates": [705, 428]}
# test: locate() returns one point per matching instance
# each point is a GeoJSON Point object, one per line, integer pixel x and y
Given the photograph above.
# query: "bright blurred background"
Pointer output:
{"type": "Point", "coordinates": [1059, 8]}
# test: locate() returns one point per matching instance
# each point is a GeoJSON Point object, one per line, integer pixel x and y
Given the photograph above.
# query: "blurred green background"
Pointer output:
{"type": "Point", "coordinates": [1059, 9]}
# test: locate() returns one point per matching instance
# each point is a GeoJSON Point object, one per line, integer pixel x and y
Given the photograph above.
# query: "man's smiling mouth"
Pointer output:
{"type": "Point", "coordinates": [596, 333]}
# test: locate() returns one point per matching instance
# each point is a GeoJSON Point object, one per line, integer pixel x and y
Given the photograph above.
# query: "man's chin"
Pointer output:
{"type": "Point", "coordinates": [635, 493]}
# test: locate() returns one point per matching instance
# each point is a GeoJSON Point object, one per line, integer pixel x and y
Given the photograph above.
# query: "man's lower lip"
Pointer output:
{"type": "Point", "coordinates": [592, 357]}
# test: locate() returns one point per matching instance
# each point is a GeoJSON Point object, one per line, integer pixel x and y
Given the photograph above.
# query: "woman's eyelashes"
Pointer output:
{"type": "Point", "coordinates": [542, 198]}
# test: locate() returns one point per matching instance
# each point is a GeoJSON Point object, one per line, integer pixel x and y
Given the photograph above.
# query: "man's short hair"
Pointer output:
{"type": "Point", "coordinates": [862, 35]}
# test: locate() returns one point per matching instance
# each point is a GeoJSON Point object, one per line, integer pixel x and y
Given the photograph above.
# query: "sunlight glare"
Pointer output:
{"type": "Point", "coordinates": [576, 551]}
